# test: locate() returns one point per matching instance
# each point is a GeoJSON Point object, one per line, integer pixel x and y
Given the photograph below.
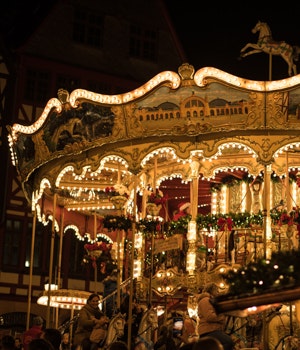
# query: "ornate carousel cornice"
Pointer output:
{"type": "Point", "coordinates": [210, 118]}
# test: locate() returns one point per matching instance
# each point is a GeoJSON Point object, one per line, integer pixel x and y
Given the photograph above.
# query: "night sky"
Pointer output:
{"type": "Point", "coordinates": [213, 33]}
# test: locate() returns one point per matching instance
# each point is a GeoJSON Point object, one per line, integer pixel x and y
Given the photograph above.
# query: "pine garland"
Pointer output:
{"type": "Point", "coordinates": [279, 272]}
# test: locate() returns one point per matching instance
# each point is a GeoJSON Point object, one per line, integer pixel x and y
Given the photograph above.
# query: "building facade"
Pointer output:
{"type": "Point", "coordinates": [104, 46]}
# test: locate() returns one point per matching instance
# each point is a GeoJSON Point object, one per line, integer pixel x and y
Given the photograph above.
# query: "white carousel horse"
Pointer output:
{"type": "Point", "coordinates": [266, 44]}
{"type": "Point", "coordinates": [148, 324]}
{"type": "Point", "coordinates": [115, 330]}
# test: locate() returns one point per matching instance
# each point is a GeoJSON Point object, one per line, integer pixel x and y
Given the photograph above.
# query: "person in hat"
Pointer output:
{"type": "Point", "coordinates": [34, 332]}
{"type": "Point", "coordinates": [183, 210]}
{"type": "Point", "coordinates": [211, 323]}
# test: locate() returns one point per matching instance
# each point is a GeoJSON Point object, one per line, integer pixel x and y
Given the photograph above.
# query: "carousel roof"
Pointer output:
{"type": "Point", "coordinates": [206, 125]}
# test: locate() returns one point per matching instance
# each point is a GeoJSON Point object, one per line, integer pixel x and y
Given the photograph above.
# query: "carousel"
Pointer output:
{"type": "Point", "coordinates": [197, 170]}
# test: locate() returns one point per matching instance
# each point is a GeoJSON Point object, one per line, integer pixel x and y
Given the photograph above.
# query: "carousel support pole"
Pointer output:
{"type": "Point", "coordinates": [151, 270]}
{"type": "Point", "coordinates": [51, 261]}
{"type": "Point", "coordinates": [118, 271]}
{"type": "Point", "coordinates": [95, 269]}
{"type": "Point", "coordinates": [192, 225]}
{"type": "Point", "coordinates": [31, 270]}
{"type": "Point", "coordinates": [152, 240]}
{"type": "Point", "coordinates": [194, 187]}
{"type": "Point", "coordinates": [267, 237]}
{"type": "Point", "coordinates": [226, 232]}
{"type": "Point", "coordinates": [287, 185]}
{"type": "Point", "coordinates": [59, 259]}
{"type": "Point", "coordinates": [60, 248]}
{"type": "Point", "coordinates": [71, 325]}
{"type": "Point", "coordinates": [288, 193]}
{"type": "Point", "coordinates": [266, 211]}
{"type": "Point", "coordinates": [131, 267]}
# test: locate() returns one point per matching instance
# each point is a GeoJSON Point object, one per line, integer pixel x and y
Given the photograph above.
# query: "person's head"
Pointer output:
{"type": "Point", "coordinates": [8, 342]}
{"type": "Point", "coordinates": [53, 336]}
{"type": "Point", "coordinates": [93, 300]}
{"type": "Point", "coordinates": [18, 342]}
{"type": "Point", "coordinates": [111, 268]}
{"type": "Point", "coordinates": [118, 345]}
{"type": "Point", "coordinates": [85, 344]}
{"type": "Point", "coordinates": [211, 288]}
{"type": "Point", "coordinates": [66, 338]}
{"type": "Point", "coordinates": [40, 344]}
{"type": "Point", "coordinates": [37, 321]}
{"type": "Point", "coordinates": [208, 343]}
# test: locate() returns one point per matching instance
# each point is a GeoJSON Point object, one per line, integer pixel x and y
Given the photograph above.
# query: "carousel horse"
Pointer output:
{"type": "Point", "coordinates": [266, 44]}
{"type": "Point", "coordinates": [115, 330]}
{"type": "Point", "coordinates": [148, 324]}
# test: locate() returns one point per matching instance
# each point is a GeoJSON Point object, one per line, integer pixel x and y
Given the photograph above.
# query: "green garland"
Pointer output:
{"type": "Point", "coordinates": [279, 272]}
{"type": "Point", "coordinates": [204, 222]}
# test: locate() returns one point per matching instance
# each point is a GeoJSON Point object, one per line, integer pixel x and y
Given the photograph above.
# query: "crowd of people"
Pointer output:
{"type": "Point", "coordinates": [210, 329]}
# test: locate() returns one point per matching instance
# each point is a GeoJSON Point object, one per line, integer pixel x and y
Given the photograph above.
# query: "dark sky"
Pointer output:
{"type": "Point", "coordinates": [213, 33]}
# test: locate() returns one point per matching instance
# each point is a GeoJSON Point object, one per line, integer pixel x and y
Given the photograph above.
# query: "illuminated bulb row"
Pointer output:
{"type": "Point", "coordinates": [56, 226]}
{"type": "Point", "coordinates": [244, 190]}
{"type": "Point", "coordinates": [113, 158]}
{"type": "Point", "coordinates": [76, 231]}
{"type": "Point", "coordinates": [138, 240]}
{"type": "Point", "coordinates": [70, 208]}
{"type": "Point", "coordinates": [168, 177]}
{"type": "Point", "coordinates": [191, 261]}
{"type": "Point", "coordinates": [223, 199]}
{"type": "Point", "coordinates": [214, 197]}
{"type": "Point", "coordinates": [80, 177]}
{"type": "Point", "coordinates": [13, 154]}
{"type": "Point", "coordinates": [284, 83]}
{"type": "Point", "coordinates": [36, 195]}
{"type": "Point", "coordinates": [87, 236]}
{"type": "Point", "coordinates": [41, 217]}
{"type": "Point", "coordinates": [69, 303]}
{"type": "Point", "coordinates": [192, 231]}
{"type": "Point", "coordinates": [17, 128]}
{"type": "Point", "coordinates": [155, 153]}
{"type": "Point", "coordinates": [201, 76]}
{"type": "Point", "coordinates": [62, 173]}
{"type": "Point", "coordinates": [286, 148]}
{"type": "Point", "coordinates": [225, 169]}
{"type": "Point", "coordinates": [79, 94]}
{"type": "Point", "coordinates": [236, 145]}
{"type": "Point", "coordinates": [137, 268]}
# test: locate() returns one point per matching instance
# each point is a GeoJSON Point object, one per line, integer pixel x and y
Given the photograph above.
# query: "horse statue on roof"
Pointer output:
{"type": "Point", "coordinates": [147, 326]}
{"type": "Point", "coordinates": [266, 44]}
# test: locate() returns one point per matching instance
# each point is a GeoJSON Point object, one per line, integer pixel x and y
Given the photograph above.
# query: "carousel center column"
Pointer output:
{"type": "Point", "coordinates": [192, 226]}
{"type": "Point", "coordinates": [267, 236]}
{"type": "Point", "coordinates": [266, 212]}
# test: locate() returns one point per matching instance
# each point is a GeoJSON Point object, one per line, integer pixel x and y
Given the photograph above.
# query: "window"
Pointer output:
{"type": "Point", "coordinates": [41, 247]}
{"type": "Point", "coordinates": [77, 269]}
{"type": "Point", "coordinates": [37, 86]}
{"type": "Point", "coordinates": [143, 43]}
{"type": "Point", "coordinates": [12, 243]}
{"type": "Point", "coordinates": [88, 28]}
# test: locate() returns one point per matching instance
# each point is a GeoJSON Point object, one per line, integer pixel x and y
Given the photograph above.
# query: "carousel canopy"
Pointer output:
{"type": "Point", "coordinates": [87, 148]}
